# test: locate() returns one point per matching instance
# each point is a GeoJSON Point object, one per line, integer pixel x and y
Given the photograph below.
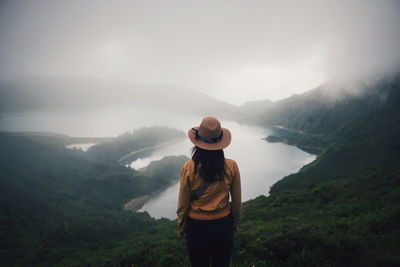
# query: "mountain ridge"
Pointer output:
{"type": "Point", "coordinates": [366, 138]}
{"type": "Point", "coordinates": [40, 92]}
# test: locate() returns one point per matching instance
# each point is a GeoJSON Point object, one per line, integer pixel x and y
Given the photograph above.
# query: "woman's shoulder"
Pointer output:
{"type": "Point", "coordinates": [188, 164]}
{"type": "Point", "coordinates": [231, 163]}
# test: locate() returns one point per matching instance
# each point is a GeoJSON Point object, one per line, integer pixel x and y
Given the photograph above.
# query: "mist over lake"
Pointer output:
{"type": "Point", "coordinates": [261, 163]}
{"type": "Point", "coordinates": [101, 122]}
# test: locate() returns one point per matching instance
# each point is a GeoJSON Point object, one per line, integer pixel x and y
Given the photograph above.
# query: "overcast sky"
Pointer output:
{"type": "Point", "coordinates": [233, 50]}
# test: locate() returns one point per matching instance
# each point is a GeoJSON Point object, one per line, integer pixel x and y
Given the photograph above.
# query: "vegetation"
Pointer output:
{"type": "Point", "coordinates": [124, 144]}
{"type": "Point", "coordinates": [59, 140]}
{"type": "Point", "coordinates": [60, 208]}
{"type": "Point", "coordinates": [326, 108]}
{"type": "Point", "coordinates": [53, 202]}
{"type": "Point", "coordinates": [352, 222]}
{"type": "Point", "coordinates": [123, 148]}
{"type": "Point", "coordinates": [368, 139]}
{"type": "Point", "coordinates": [306, 142]}
{"type": "Point", "coordinates": [341, 210]}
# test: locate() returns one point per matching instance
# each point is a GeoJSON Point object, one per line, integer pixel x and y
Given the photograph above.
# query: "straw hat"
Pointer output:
{"type": "Point", "coordinates": [209, 135]}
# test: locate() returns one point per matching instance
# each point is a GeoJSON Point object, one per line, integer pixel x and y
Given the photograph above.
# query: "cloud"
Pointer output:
{"type": "Point", "coordinates": [234, 50]}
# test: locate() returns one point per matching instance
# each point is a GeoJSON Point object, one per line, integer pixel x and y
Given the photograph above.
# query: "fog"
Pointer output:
{"type": "Point", "coordinates": [235, 51]}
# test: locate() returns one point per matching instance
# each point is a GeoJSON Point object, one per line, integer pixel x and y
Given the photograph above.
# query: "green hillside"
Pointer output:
{"type": "Point", "coordinates": [312, 120]}
{"type": "Point", "coordinates": [353, 222]}
{"type": "Point", "coordinates": [128, 145]}
{"type": "Point", "coordinates": [53, 202]}
{"type": "Point", "coordinates": [367, 139]}
{"type": "Point", "coordinates": [141, 139]}
{"type": "Point", "coordinates": [327, 107]}
{"type": "Point", "coordinates": [58, 208]}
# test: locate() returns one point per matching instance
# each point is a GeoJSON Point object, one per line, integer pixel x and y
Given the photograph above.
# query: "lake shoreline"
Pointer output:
{"type": "Point", "coordinates": [137, 203]}
{"type": "Point", "coordinates": [268, 163]}
{"type": "Point", "coordinates": [291, 142]}
{"type": "Point", "coordinates": [156, 146]}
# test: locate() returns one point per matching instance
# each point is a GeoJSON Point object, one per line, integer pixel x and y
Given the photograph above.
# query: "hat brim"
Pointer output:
{"type": "Point", "coordinates": [225, 141]}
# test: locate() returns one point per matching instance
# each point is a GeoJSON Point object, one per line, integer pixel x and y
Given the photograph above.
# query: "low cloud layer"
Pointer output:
{"type": "Point", "coordinates": [233, 50]}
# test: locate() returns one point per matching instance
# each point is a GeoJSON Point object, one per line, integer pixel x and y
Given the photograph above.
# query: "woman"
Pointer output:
{"type": "Point", "coordinates": [205, 217]}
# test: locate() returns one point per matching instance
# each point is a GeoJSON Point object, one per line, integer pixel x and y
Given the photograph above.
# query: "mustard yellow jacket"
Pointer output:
{"type": "Point", "coordinates": [214, 202]}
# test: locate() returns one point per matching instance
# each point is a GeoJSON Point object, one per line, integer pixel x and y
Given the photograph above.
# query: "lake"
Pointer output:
{"type": "Point", "coordinates": [261, 163]}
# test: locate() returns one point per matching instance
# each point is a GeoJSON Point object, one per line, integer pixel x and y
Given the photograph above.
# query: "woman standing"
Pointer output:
{"type": "Point", "coordinates": [205, 216]}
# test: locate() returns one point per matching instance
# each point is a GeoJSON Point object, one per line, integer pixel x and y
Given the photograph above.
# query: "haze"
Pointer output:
{"type": "Point", "coordinates": [235, 51]}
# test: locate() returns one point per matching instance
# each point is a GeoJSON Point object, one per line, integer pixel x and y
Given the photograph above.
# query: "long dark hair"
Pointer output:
{"type": "Point", "coordinates": [209, 163]}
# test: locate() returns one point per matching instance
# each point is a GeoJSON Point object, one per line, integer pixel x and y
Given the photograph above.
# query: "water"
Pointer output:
{"type": "Point", "coordinates": [104, 122]}
{"type": "Point", "coordinates": [83, 147]}
{"type": "Point", "coordinates": [261, 163]}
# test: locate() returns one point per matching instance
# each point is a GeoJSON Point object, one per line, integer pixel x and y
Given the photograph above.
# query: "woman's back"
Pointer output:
{"type": "Point", "coordinates": [214, 202]}
{"type": "Point", "coordinates": [205, 216]}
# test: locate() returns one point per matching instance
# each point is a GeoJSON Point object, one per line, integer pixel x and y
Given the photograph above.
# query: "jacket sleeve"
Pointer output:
{"type": "Point", "coordinates": [183, 201]}
{"type": "Point", "coordinates": [236, 194]}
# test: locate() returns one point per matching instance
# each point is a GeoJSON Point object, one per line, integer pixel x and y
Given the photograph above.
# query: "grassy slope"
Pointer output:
{"type": "Point", "coordinates": [368, 139]}
{"type": "Point", "coordinates": [327, 222]}
{"type": "Point", "coordinates": [314, 119]}
{"type": "Point", "coordinates": [354, 222]}
{"type": "Point", "coordinates": [54, 203]}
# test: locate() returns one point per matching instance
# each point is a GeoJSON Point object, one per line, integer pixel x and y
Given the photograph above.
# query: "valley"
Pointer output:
{"type": "Point", "coordinates": [338, 210]}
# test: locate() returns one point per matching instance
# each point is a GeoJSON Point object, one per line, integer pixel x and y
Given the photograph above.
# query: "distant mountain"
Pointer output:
{"type": "Point", "coordinates": [248, 111]}
{"type": "Point", "coordinates": [323, 109]}
{"type": "Point", "coordinates": [37, 92]}
{"type": "Point", "coordinates": [356, 132]}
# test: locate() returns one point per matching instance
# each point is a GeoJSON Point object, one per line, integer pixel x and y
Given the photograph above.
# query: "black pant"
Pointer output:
{"type": "Point", "coordinates": [210, 242]}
